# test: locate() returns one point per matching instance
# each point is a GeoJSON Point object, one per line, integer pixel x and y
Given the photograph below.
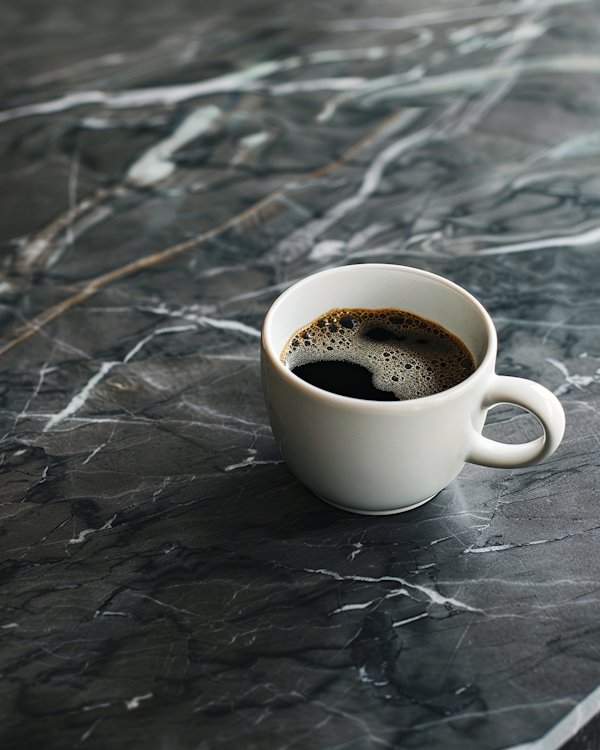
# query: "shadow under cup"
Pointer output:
{"type": "Point", "coordinates": [366, 456]}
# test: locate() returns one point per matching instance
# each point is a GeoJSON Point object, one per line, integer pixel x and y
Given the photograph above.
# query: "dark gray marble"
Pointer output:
{"type": "Point", "coordinates": [166, 582]}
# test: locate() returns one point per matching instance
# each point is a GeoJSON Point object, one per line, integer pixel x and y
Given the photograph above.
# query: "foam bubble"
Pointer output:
{"type": "Point", "coordinates": [406, 354]}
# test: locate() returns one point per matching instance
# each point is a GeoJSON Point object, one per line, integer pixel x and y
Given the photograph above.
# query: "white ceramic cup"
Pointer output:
{"type": "Point", "coordinates": [380, 457]}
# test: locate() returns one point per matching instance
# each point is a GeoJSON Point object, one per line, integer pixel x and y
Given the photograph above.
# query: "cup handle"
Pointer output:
{"type": "Point", "coordinates": [541, 403]}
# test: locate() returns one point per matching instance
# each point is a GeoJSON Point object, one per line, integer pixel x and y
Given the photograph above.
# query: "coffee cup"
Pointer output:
{"type": "Point", "coordinates": [383, 457]}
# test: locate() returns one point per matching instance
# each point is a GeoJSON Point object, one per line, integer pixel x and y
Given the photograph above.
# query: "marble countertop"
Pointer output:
{"type": "Point", "coordinates": [167, 169]}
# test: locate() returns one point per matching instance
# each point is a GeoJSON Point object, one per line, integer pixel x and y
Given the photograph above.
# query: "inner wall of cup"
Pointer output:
{"type": "Point", "coordinates": [375, 287]}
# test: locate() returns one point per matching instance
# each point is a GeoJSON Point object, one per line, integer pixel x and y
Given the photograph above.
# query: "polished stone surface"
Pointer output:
{"type": "Point", "coordinates": [166, 581]}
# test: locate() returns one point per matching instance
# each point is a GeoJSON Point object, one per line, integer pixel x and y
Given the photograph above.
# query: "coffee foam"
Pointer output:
{"type": "Point", "coordinates": [408, 355]}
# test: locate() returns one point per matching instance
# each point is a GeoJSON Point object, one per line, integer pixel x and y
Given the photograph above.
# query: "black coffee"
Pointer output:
{"type": "Point", "coordinates": [379, 355]}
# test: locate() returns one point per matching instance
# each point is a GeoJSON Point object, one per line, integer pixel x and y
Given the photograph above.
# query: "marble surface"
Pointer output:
{"type": "Point", "coordinates": [167, 169]}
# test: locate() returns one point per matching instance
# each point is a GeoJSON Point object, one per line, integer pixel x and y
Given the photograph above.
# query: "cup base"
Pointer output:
{"type": "Point", "coordinates": [377, 512]}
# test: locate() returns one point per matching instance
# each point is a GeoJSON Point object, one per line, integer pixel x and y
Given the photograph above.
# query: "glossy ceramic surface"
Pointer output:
{"type": "Point", "coordinates": [385, 457]}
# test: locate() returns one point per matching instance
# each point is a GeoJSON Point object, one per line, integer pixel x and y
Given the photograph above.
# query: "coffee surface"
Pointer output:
{"type": "Point", "coordinates": [380, 355]}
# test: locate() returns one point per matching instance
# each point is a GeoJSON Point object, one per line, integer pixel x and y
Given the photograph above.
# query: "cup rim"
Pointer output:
{"type": "Point", "coordinates": [335, 399]}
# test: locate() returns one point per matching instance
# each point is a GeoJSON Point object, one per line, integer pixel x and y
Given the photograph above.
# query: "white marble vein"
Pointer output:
{"type": "Point", "coordinates": [568, 727]}
{"type": "Point", "coordinates": [82, 536]}
{"type": "Point", "coordinates": [590, 237]}
{"type": "Point", "coordinates": [408, 620]}
{"type": "Point", "coordinates": [457, 120]}
{"type": "Point", "coordinates": [248, 78]}
{"type": "Point", "coordinates": [251, 460]}
{"type": "Point", "coordinates": [433, 596]}
{"type": "Point", "coordinates": [242, 80]}
{"type": "Point", "coordinates": [474, 80]}
{"type": "Point", "coordinates": [80, 399]}
{"type": "Point", "coordinates": [165, 95]}
{"type": "Point", "coordinates": [193, 315]}
{"type": "Point", "coordinates": [450, 15]}
{"type": "Point", "coordinates": [156, 164]}
{"type": "Point", "coordinates": [364, 605]}
{"type": "Point", "coordinates": [136, 700]}
{"type": "Point", "coordinates": [367, 87]}
{"type": "Point", "coordinates": [578, 381]}
{"type": "Point", "coordinates": [94, 453]}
